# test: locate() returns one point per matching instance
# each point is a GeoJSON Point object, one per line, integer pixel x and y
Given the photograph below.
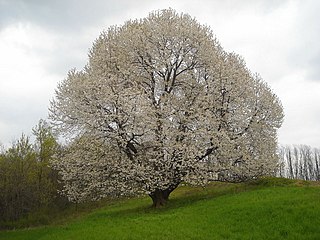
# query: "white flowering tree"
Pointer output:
{"type": "Point", "coordinates": [160, 103]}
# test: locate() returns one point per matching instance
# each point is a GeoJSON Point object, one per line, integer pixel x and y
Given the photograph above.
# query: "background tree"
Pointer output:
{"type": "Point", "coordinates": [160, 102]}
{"type": "Point", "coordinates": [45, 147]}
{"type": "Point", "coordinates": [17, 166]}
{"type": "Point", "coordinates": [27, 181]}
{"type": "Point", "coordinates": [299, 162]}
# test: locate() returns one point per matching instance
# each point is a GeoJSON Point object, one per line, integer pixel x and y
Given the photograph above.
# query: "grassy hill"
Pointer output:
{"type": "Point", "coordinates": [264, 209]}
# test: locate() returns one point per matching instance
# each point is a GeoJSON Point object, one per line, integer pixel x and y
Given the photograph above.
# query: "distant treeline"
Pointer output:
{"type": "Point", "coordinates": [27, 182]}
{"type": "Point", "coordinates": [299, 162]}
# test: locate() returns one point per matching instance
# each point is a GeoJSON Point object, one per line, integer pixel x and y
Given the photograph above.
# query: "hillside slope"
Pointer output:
{"type": "Point", "coordinates": [265, 209]}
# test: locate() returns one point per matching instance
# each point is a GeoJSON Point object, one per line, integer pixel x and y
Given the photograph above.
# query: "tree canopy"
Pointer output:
{"type": "Point", "coordinates": [159, 103]}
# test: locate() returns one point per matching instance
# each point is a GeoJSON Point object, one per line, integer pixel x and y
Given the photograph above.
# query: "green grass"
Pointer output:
{"type": "Point", "coordinates": [264, 209]}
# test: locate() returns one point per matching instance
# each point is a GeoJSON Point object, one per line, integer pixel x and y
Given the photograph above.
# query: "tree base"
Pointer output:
{"type": "Point", "coordinates": [160, 197]}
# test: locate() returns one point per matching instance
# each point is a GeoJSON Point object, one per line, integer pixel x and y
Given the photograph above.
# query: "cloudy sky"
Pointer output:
{"type": "Point", "coordinates": [40, 40]}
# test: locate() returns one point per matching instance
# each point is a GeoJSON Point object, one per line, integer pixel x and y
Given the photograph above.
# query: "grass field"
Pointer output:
{"type": "Point", "coordinates": [265, 209]}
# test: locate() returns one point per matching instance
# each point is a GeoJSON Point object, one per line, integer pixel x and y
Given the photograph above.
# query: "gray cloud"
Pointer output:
{"type": "Point", "coordinates": [69, 21]}
{"type": "Point", "coordinates": [305, 48]}
{"type": "Point", "coordinates": [63, 15]}
{"type": "Point", "coordinates": [19, 116]}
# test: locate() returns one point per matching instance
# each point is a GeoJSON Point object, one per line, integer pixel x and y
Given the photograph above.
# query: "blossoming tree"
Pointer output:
{"type": "Point", "coordinates": [160, 103]}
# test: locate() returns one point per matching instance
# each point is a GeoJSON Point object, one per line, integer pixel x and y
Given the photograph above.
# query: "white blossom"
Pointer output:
{"type": "Point", "coordinates": [160, 103]}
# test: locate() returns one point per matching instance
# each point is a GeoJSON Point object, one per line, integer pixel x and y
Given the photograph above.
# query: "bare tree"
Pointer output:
{"type": "Point", "coordinates": [160, 102]}
{"type": "Point", "coordinates": [299, 162]}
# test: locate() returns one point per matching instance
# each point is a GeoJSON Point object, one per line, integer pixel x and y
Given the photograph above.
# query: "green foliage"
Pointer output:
{"type": "Point", "coordinates": [17, 180]}
{"type": "Point", "coordinates": [27, 182]}
{"type": "Point", "coordinates": [289, 210]}
{"type": "Point", "coordinates": [45, 147]}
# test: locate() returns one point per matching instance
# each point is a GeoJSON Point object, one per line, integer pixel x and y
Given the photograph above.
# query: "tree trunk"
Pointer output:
{"type": "Point", "coordinates": [160, 197]}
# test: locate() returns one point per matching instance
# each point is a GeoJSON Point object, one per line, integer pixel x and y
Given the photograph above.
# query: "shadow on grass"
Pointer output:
{"type": "Point", "coordinates": [185, 196]}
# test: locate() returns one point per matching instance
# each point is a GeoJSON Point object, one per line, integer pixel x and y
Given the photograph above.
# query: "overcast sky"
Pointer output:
{"type": "Point", "coordinates": [40, 40]}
